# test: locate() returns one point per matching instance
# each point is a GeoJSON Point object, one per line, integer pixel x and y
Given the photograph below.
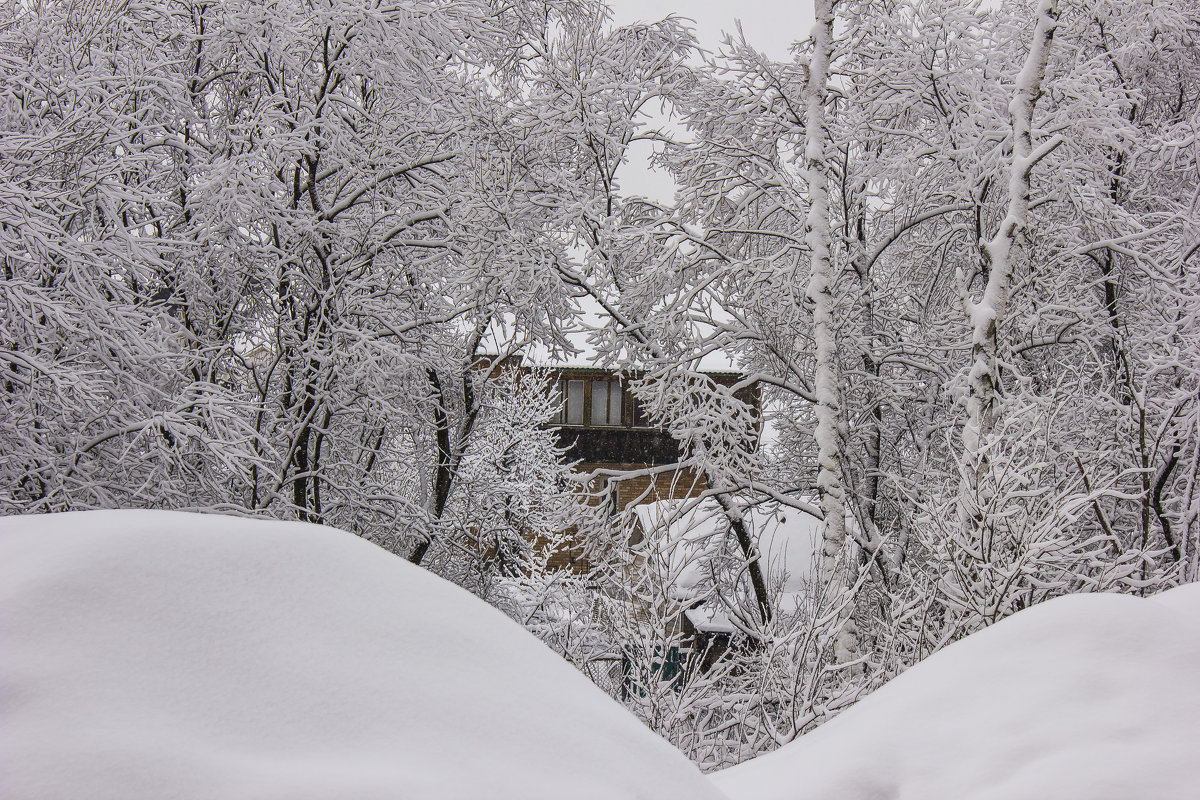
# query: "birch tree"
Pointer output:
{"type": "Point", "coordinates": [819, 292]}
{"type": "Point", "coordinates": [987, 314]}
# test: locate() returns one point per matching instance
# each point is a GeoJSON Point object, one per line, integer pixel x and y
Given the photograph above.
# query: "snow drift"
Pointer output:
{"type": "Point", "coordinates": [1087, 696]}
{"type": "Point", "coordinates": [156, 654]}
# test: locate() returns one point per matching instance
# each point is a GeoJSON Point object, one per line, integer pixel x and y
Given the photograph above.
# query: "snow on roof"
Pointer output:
{"type": "Point", "coordinates": [1086, 696]}
{"type": "Point", "coordinates": [686, 535]}
{"type": "Point", "coordinates": [708, 618]}
{"type": "Point", "coordinates": [155, 654]}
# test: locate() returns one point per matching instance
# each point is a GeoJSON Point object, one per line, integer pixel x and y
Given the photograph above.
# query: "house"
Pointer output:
{"type": "Point", "coordinates": [602, 424]}
{"type": "Point", "coordinates": [679, 540]}
{"type": "Point", "coordinates": [604, 429]}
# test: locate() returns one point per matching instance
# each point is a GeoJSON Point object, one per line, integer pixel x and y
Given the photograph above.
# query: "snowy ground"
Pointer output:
{"type": "Point", "coordinates": [161, 655]}
{"type": "Point", "coordinates": [156, 655]}
{"type": "Point", "coordinates": [1087, 696]}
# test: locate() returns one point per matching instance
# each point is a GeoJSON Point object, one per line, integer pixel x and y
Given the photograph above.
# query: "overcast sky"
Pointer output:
{"type": "Point", "coordinates": [770, 26]}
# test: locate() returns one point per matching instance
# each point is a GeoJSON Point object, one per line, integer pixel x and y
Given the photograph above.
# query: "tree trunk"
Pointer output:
{"type": "Point", "coordinates": [1000, 254]}
{"type": "Point", "coordinates": [819, 293]}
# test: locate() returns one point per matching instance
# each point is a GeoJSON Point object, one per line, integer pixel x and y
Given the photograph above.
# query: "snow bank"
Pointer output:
{"type": "Point", "coordinates": [164, 655]}
{"type": "Point", "coordinates": [1087, 696]}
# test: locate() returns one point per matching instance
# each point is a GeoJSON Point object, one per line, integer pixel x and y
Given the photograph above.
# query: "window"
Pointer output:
{"type": "Point", "coordinates": [570, 398]}
{"type": "Point", "coordinates": [607, 403]}
{"type": "Point", "coordinates": [599, 402]}
{"type": "Point", "coordinates": [639, 417]}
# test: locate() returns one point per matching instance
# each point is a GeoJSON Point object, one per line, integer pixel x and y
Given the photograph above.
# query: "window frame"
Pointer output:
{"type": "Point", "coordinates": [603, 417]}
{"type": "Point", "coordinates": [627, 419]}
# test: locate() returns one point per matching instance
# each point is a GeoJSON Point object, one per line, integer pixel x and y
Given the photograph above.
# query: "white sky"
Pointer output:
{"type": "Point", "coordinates": [769, 25]}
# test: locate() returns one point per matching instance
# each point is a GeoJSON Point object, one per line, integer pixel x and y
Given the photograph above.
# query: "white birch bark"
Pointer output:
{"type": "Point", "coordinates": [1000, 254]}
{"type": "Point", "coordinates": [819, 291]}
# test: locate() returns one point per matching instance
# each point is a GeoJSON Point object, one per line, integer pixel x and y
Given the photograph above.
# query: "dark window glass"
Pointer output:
{"type": "Point", "coordinates": [640, 419]}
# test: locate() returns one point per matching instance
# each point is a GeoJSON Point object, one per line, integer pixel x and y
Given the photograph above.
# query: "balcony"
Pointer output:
{"type": "Point", "coordinates": [618, 445]}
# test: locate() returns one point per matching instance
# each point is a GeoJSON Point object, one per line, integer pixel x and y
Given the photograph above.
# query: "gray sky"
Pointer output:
{"type": "Point", "coordinates": [769, 25]}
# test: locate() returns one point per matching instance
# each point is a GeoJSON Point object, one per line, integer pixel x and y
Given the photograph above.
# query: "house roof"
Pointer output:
{"type": "Point", "coordinates": [710, 618]}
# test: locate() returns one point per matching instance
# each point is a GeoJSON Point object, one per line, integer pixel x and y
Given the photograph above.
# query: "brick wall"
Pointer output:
{"type": "Point", "coordinates": [679, 484]}
{"type": "Point", "coordinates": [676, 484]}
